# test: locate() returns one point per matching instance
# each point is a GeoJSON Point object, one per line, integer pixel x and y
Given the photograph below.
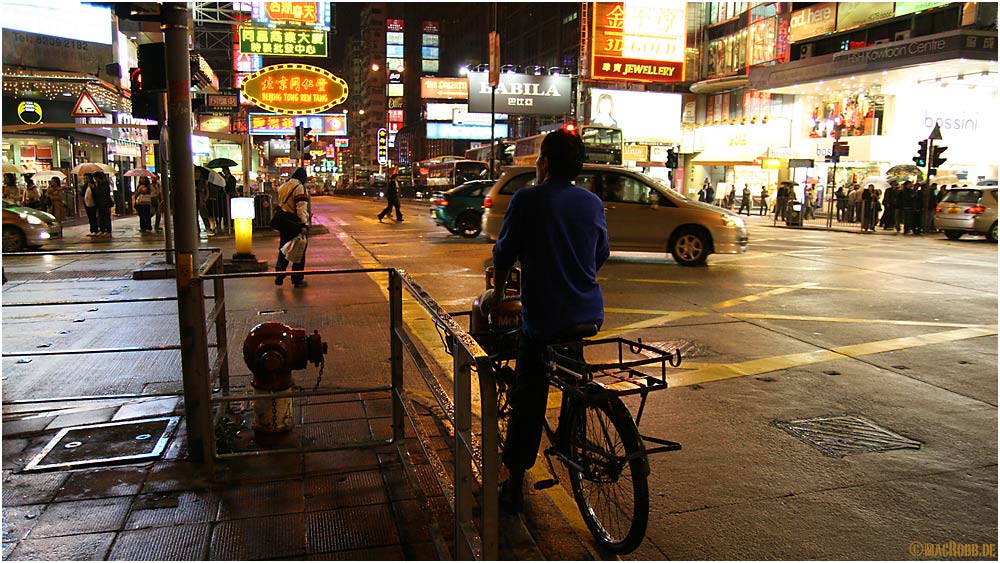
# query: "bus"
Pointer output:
{"type": "Point", "coordinates": [419, 170]}
{"type": "Point", "coordinates": [444, 176]}
{"type": "Point", "coordinates": [504, 154]}
{"type": "Point", "coordinates": [602, 145]}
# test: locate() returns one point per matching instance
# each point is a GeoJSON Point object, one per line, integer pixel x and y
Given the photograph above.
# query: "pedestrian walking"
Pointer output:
{"type": "Point", "coordinates": [747, 200]}
{"type": "Point", "coordinates": [392, 200]}
{"type": "Point", "coordinates": [143, 204]}
{"type": "Point", "coordinates": [201, 190]}
{"type": "Point", "coordinates": [56, 201]}
{"type": "Point", "coordinates": [731, 198]}
{"type": "Point", "coordinates": [292, 197]}
{"type": "Point", "coordinates": [557, 232]}
{"type": "Point", "coordinates": [764, 205]}
{"type": "Point", "coordinates": [810, 211]}
{"type": "Point", "coordinates": [781, 202]}
{"type": "Point", "coordinates": [104, 202]}
{"type": "Point", "coordinates": [156, 200]}
{"type": "Point", "coordinates": [90, 206]}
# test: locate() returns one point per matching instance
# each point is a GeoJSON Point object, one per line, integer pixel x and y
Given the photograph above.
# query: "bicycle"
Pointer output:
{"type": "Point", "coordinates": [595, 437]}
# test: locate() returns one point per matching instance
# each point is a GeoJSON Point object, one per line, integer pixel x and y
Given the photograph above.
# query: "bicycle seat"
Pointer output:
{"type": "Point", "coordinates": [577, 332]}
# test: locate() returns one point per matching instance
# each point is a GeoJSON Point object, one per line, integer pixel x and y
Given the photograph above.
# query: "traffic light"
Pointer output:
{"type": "Point", "coordinates": [921, 158]}
{"type": "Point", "coordinates": [936, 160]}
{"type": "Point", "coordinates": [143, 102]}
{"type": "Point", "coordinates": [301, 142]}
{"type": "Point", "coordinates": [671, 158]}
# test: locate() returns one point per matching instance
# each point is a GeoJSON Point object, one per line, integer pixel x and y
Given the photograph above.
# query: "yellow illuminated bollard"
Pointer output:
{"type": "Point", "coordinates": [243, 216]}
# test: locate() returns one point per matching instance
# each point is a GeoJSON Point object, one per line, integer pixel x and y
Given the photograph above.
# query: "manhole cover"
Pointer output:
{"type": "Point", "coordinates": [839, 436]}
{"type": "Point", "coordinates": [114, 442]}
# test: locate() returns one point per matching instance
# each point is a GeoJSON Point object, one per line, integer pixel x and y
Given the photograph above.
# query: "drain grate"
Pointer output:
{"type": "Point", "coordinates": [114, 442]}
{"type": "Point", "coordinates": [839, 436]}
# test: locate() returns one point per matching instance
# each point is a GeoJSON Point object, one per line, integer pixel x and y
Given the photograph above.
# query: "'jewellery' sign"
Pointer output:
{"type": "Point", "coordinates": [521, 94]}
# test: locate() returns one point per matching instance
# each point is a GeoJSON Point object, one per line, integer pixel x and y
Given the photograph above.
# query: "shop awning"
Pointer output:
{"type": "Point", "coordinates": [728, 156]}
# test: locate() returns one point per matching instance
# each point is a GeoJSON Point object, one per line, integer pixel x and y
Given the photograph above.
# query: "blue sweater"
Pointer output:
{"type": "Point", "coordinates": [558, 233]}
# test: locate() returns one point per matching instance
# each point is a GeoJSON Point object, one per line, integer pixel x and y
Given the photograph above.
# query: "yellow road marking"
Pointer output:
{"type": "Point", "coordinates": [757, 296]}
{"type": "Point", "coordinates": [673, 282]}
{"type": "Point", "coordinates": [673, 316]}
{"type": "Point", "coordinates": [719, 372]}
{"type": "Point", "coordinates": [850, 320]}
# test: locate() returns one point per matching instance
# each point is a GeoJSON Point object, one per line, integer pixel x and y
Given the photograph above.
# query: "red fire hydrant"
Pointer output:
{"type": "Point", "coordinates": [271, 351]}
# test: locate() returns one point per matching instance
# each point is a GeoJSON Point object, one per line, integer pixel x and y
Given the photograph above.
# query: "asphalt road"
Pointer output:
{"type": "Point", "coordinates": [808, 328]}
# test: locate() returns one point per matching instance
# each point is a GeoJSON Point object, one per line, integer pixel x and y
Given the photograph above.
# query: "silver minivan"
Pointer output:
{"type": "Point", "coordinates": [642, 214]}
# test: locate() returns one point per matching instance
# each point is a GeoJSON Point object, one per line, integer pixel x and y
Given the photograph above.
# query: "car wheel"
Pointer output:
{"type": "Point", "coordinates": [991, 235]}
{"type": "Point", "coordinates": [690, 247]}
{"type": "Point", "coordinates": [469, 224]}
{"type": "Point", "coordinates": [953, 235]}
{"type": "Point", "coordinates": [13, 239]}
{"type": "Point", "coordinates": [452, 230]}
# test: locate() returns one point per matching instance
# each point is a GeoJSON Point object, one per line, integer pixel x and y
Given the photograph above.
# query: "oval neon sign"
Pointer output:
{"type": "Point", "coordinates": [294, 89]}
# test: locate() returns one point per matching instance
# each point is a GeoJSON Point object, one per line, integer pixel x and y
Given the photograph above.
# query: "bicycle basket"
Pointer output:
{"type": "Point", "coordinates": [622, 369]}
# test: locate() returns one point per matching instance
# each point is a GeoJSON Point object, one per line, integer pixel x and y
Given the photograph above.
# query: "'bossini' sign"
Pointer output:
{"type": "Point", "coordinates": [521, 94]}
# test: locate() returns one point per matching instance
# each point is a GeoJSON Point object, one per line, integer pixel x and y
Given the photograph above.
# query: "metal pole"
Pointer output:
{"type": "Point", "coordinates": [190, 302]}
{"type": "Point", "coordinates": [493, 140]}
{"type": "Point", "coordinates": [396, 352]}
{"type": "Point", "coordinates": [165, 189]}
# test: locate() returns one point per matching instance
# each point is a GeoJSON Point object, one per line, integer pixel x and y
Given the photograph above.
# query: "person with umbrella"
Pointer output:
{"type": "Point", "coordinates": [55, 194]}
{"type": "Point", "coordinates": [32, 195]}
{"type": "Point", "coordinates": [10, 190]}
{"type": "Point", "coordinates": [292, 198]}
{"type": "Point", "coordinates": [143, 205]}
{"type": "Point", "coordinates": [103, 202]}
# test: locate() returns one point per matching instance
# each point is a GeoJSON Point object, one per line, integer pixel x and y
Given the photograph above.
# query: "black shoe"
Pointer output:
{"type": "Point", "coordinates": [511, 501]}
{"type": "Point", "coordinates": [379, 218]}
{"type": "Point", "coordinates": [300, 284]}
{"type": "Point", "coordinates": [400, 220]}
{"type": "Point", "coordinates": [279, 280]}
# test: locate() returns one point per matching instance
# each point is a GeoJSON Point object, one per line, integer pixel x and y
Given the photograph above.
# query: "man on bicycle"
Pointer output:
{"type": "Point", "coordinates": [557, 232]}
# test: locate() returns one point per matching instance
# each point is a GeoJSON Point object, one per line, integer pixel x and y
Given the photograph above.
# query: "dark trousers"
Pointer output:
{"type": "Point", "coordinates": [104, 219]}
{"type": "Point", "coordinates": [145, 217]}
{"type": "Point", "coordinates": [281, 264]}
{"type": "Point", "coordinates": [528, 400]}
{"type": "Point", "coordinates": [745, 204]}
{"type": "Point", "coordinates": [92, 219]}
{"type": "Point", "coordinates": [393, 202]}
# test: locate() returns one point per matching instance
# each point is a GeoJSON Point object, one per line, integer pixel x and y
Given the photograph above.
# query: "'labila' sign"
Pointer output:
{"type": "Point", "coordinates": [294, 89]}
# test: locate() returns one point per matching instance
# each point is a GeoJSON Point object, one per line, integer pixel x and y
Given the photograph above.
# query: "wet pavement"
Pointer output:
{"type": "Point", "coordinates": [350, 504]}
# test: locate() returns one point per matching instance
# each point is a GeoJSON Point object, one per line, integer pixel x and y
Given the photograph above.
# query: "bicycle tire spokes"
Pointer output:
{"type": "Point", "coordinates": [607, 475]}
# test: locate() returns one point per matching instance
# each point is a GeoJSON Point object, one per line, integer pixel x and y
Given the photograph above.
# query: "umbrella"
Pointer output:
{"type": "Point", "coordinates": [905, 171]}
{"type": "Point", "coordinates": [11, 168]}
{"type": "Point", "coordinates": [949, 179]}
{"type": "Point", "coordinates": [221, 163]}
{"type": "Point", "coordinates": [879, 182]}
{"type": "Point", "coordinates": [210, 176]}
{"type": "Point", "coordinates": [140, 172]}
{"type": "Point", "coordinates": [45, 175]}
{"type": "Point", "coordinates": [92, 167]}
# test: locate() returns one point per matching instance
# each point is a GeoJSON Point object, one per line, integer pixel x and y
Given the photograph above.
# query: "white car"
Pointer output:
{"type": "Point", "coordinates": [642, 214]}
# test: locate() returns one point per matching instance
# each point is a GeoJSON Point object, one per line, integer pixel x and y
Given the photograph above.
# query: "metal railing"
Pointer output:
{"type": "Point", "coordinates": [475, 458]}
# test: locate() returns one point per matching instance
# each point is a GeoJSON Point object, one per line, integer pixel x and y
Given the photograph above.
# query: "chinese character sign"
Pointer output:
{"type": "Point", "coordinates": [322, 124]}
{"type": "Point", "coordinates": [300, 42]}
{"type": "Point", "coordinates": [640, 41]}
{"type": "Point", "coordinates": [294, 89]}
{"type": "Point", "coordinates": [306, 14]}
{"type": "Point", "coordinates": [383, 146]}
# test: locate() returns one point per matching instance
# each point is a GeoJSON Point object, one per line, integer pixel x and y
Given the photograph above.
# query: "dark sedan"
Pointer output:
{"type": "Point", "coordinates": [460, 209]}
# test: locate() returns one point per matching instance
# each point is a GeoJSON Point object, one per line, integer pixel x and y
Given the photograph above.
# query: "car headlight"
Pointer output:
{"type": "Point", "coordinates": [31, 219]}
{"type": "Point", "coordinates": [733, 222]}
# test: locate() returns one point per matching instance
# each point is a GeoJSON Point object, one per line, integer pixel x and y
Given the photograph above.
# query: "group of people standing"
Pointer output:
{"type": "Point", "coordinates": [907, 207]}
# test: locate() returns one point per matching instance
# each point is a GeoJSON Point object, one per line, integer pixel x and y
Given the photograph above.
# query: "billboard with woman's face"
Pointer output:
{"type": "Point", "coordinates": [642, 116]}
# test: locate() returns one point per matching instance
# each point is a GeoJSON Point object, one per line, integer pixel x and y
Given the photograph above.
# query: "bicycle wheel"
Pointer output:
{"type": "Point", "coordinates": [609, 480]}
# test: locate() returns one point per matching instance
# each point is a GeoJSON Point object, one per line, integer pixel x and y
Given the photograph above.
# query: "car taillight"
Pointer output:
{"type": "Point", "coordinates": [487, 202]}
{"type": "Point", "coordinates": [442, 202]}
{"type": "Point", "coordinates": [975, 210]}
{"type": "Point", "coordinates": [937, 209]}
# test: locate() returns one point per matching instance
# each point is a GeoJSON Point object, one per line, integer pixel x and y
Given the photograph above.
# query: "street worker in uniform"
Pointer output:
{"type": "Point", "coordinates": [557, 232]}
{"type": "Point", "coordinates": [292, 198]}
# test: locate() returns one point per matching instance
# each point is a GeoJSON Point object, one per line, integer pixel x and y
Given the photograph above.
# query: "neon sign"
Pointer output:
{"type": "Point", "coordinates": [294, 89]}
{"type": "Point", "coordinates": [638, 41]}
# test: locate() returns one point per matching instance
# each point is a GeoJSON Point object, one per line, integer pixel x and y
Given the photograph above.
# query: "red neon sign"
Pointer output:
{"type": "Point", "coordinates": [301, 12]}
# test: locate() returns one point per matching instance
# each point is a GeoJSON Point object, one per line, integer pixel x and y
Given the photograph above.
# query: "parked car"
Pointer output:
{"type": "Point", "coordinates": [460, 209]}
{"type": "Point", "coordinates": [24, 227]}
{"type": "Point", "coordinates": [642, 214]}
{"type": "Point", "coordinates": [968, 211]}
